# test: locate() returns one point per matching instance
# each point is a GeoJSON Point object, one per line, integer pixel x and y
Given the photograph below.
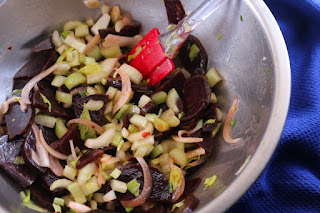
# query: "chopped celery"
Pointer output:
{"type": "Point", "coordinates": [120, 114]}
{"type": "Point", "coordinates": [93, 205]}
{"type": "Point", "coordinates": [133, 109]}
{"type": "Point", "coordinates": [71, 25]}
{"type": "Point", "coordinates": [150, 117]}
{"type": "Point", "coordinates": [76, 192]}
{"type": "Point", "coordinates": [116, 139]}
{"type": "Point", "coordinates": [105, 9]}
{"type": "Point", "coordinates": [215, 131]}
{"type": "Point", "coordinates": [89, 60]}
{"type": "Point", "coordinates": [65, 33]}
{"type": "Point", "coordinates": [111, 51]}
{"type": "Point", "coordinates": [109, 108]}
{"type": "Point", "coordinates": [94, 105]}
{"type": "Point", "coordinates": [46, 101]}
{"type": "Point", "coordinates": [179, 157]}
{"type": "Point", "coordinates": [120, 145]}
{"type": "Point", "coordinates": [74, 80]}
{"type": "Point", "coordinates": [115, 173]}
{"type": "Point", "coordinates": [108, 166]}
{"type": "Point", "coordinates": [100, 88]}
{"type": "Point", "coordinates": [170, 118]}
{"type": "Point", "coordinates": [115, 13]}
{"type": "Point", "coordinates": [144, 100]}
{"type": "Point", "coordinates": [134, 75]}
{"type": "Point", "coordinates": [73, 42]}
{"type": "Point", "coordinates": [62, 69]}
{"type": "Point", "coordinates": [177, 205]}
{"type": "Point", "coordinates": [164, 163]}
{"type": "Point", "coordinates": [159, 97]}
{"type": "Point", "coordinates": [133, 187]}
{"type": "Point", "coordinates": [219, 115]}
{"type": "Point", "coordinates": [90, 69]}
{"type": "Point", "coordinates": [95, 53]}
{"type": "Point", "coordinates": [143, 150]}
{"type": "Point", "coordinates": [213, 98]}
{"type": "Point", "coordinates": [58, 81]}
{"type": "Point", "coordinates": [58, 201]}
{"type": "Point", "coordinates": [86, 132]}
{"type": "Point", "coordinates": [118, 186]}
{"type": "Point", "coordinates": [139, 121]}
{"type": "Point", "coordinates": [102, 23]}
{"type": "Point", "coordinates": [171, 101]}
{"type": "Point", "coordinates": [69, 172]}
{"type": "Point", "coordinates": [213, 77]}
{"type": "Point", "coordinates": [133, 129]}
{"type": "Point", "coordinates": [175, 178]}
{"type": "Point", "coordinates": [158, 150]}
{"type": "Point", "coordinates": [60, 128]}
{"type": "Point", "coordinates": [155, 161]}
{"type": "Point", "coordinates": [64, 97]}
{"type": "Point", "coordinates": [57, 208]}
{"type": "Point", "coordinates": [111, 92]}
{"type": "Point", "coordinates": [92, 185]}
{"type": "Point", "coordinates": [161, 125]}
{"type": "Point", "coordinates": [86, 172]}
{"type": "Point", "coordinates": [194, 51]}
{"type": "Point", "coordinates": [45, 120]}
{"type": "Point", "coordinates": [128, 209]}
{"type": "Point", "coordinates": [81, 31]}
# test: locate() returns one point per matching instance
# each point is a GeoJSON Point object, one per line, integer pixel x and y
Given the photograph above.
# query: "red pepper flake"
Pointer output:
{"type": "Point", "coordinates": [92, 126]}
{"type": "Point", "coordinates": [145, 134]}
{"type": "Point", "coordinates": [10, 48]}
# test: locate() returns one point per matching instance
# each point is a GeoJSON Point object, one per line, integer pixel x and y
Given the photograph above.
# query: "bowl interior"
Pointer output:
{"type": "Point", "coordinates": [243, 56]}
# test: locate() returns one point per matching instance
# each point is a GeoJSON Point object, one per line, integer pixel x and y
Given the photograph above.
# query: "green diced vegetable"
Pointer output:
{"type": "Point", "coordinates": [170, 118]}
{"type": "Point", "coordinates": [45, 100]}
{"type": "Point", "coordinates": [139, 121]}
{"type": "Point", "coordinates": [194, 51]}
{"type": "Point", "coordinates": [60, 128]}
{"type": "Point", "coordinates": [71, 25]}
{"type": "Point", "coordinates": [177, 205]}
{"type": "Point", "coordinates": [115, 173]}
{"type": "Point", "coordinates": [90, 69]}
{"type": "Point", "coordinates": [233, 123]}
{"type": "Point", "coordinates": [63, 97]}
{"type": "Point", "coordinates": [70, 172]}
{"type": "Point", "coordinates": [144, 100]}
{"type": "Point", "coordinates": [74, 80]}
{"type": "Point", "coordinates": [58, 81]}
{"type": "Point", "coordinates": [111, 92]}
{"type": "Point", "coordinates": [100, 88]}
{"type": "Point", "coordinates": [62, 69]}
{"type": "Point", "coordinates": [215, 131]}
{"type": "Point", "coordinates": [120, 114]}
{"type": "Point", "coordinates": [143, 150]}
{"type": "Point", "coordinates": [82, 31]}
{"type": "Point", "coordinates": [134, 75]}
{"type": "Point", "coordinates": [179, 157]}
{"type": "Point", "coordinates": [116, 139]}
{"type": "Point", "coordinates": [56, 208]}
{"type": "Point", "coordinates": [45, 120]}
{"type": "Point", "coordinates": [213, 77]}
{"type": "Point", "coordinates": [161, 125]}
{"type": "Point", "coordinates": [120, 145]}
{"type": "Point", "coordinates": [92, 185]}
{"type": "Point", "coordinates": [111, 51]}
{"type": "Point", "coordinates": [118, 186]}
{"type": "Point", "coordinates": [150, 117]}
{"type": "Point", "coordinates": [89, 60]}
{"type": "Point", "coordinates": [159, 97]}
{"type": "Point", "coordinates": [213, 98]}
{"type": "Point", "coordinates": [86, 132]}
{"type": "Point", "coordinates": [158, 150]}
{"type": "Point", "coordinates": [128, 209]}
{"type": "Point", "coordinates": [65, 33]}
{"type": "Point", "coordinates": [58, 201]}
{"type": "Point", "coordinates": [95, 53]}
{"type": "Point", "coordinates": [133, 129]}
{"type": "Point", "coordinates": [171, 101]}
{"type": "Point", "coordinates": [133, 109]}
{"type": "Point", "coordinates": [76, 192]}
{"type": "Point", "coordinates": [133, 187]}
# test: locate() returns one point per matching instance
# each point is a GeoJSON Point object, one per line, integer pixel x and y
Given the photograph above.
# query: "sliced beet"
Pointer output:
{"type": "Point", "coordinates": [200, 61]}
{"type": "Point", "coordinates": [63, 145]}
{"type": "Point", "coordinates": [129, 30]}
{"type": "Point", "coordinates": [89, 157]}
{"type": "Point", "coordinates": [19, 122]}
{"type": "Point", "coordinates": [47, 179]}
{"type": "Point", "coordinates": [110, 150]}
{"type": "Point", "coordinates": [207, 142]}
{"type": "Point", "coordinates": [8, 153]}
{"type": "Point", "coordinates": [19, 83]}
{"type": "Point", "coordinates": [197, 94]}
{"type": "Point", "coordinates": [176, 81]}
{"type": "Point", "coordinates": [41, 197]}
{"type": "Point", "coordinates": [158, 135]}
{"type": "Point", "coordinates": [126, 120]}
{"type": "Point", "coordinates": [137, 88]}
{"type": "Point", "coordinates": [191, 184]}
{"type": "Point", "coordinates": [199, 71]}
{"type": "Point", "coordinates": [190, 203]}
{"type": "Point", "coordinates": [160, 188]}
{"type": "Point", "coordinates": [56, 109]}
{"type": "Point", "coordinates": [156, 209]}
{"type": "Point", "coordinates": [175, 11]}
{"type": "Point", "coordinates": [44, 45]}
{"type": "Point", "coordinates": [148, 108]}
{"type": "Point", "coordinates": [188, 125]}
{"type": "Point", "coordinates": [28, 145]}
{"type": "Point", "coordinates": [96, 116]}
{"type": "Point", "coordinates": [39, 62]}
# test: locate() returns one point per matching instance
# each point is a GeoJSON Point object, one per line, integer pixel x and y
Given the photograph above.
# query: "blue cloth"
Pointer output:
{"type": "Point", "coordinates": [291, 181]}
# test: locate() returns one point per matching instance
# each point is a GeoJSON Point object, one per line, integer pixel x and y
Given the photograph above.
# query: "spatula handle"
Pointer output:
{"type": "Point", "coordinates": [172, 40]}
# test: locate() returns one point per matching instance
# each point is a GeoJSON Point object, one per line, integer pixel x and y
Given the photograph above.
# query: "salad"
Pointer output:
{"type": "Point", "coordinates": [84, 132]}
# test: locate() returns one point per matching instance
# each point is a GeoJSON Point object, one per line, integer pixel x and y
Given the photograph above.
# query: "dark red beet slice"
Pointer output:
{"type": "Point", "coordinates": [199, 71]}
{"type": "Point", "coordinates": [175, 11]}
{"type": "Point", "coordinates": [62, 145]}
{"type": "Point", "coordinates": [19, 122]}
{"type": "Point", "coordinates": [41, 197]}
{"type": "Point", "coordinates": [160, 189]}
{"type": "Point", "coordinates": [191, 185]}
{"type": "Point", "coordinates": [56, 109]}
{"type": "Point", "coordinates": [8, 153]}
{"type": "Point", "coordinates": [176, 81]}
{"type": "Point", "coordinates": [47, 179]}
{"type": "Point", "coordinates": [44, 45]}
{"type": "Point", "coordinates": [148, 108]}
{"type": "Point", "coordinates": [126, 120]}
{"type": "Point", "coordinates": [156, 209]}
{"type": "Point", "coordinates": [96, 116]}
{"type": "Point", "coordinates": [89, 157]}
{"type": "Point", "coordinates": [207, 142]}
{"type": "Point", "coordinates": [19, 83]}
{"type": "Point", "coordinates": [190, 203]}
{"type": "Point", "coordinates": [197, 96]}
{"type": "Point", "coordinates": [137, 88]}
{"type": "Point", "coordinates": [129, 30]}
{"type": "Point", "coordinates": [158, 135]}
{"type": "Point", "coordinates": [39, 62]}
{"type": "Point", "coordinates": [200, 61]}
{"type": "Point", "coordinates": [188, 125]}
{"type": "Point", "coordinates": [110, 150]}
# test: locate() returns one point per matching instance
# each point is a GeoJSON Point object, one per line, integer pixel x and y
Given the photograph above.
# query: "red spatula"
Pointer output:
{"type": "Point", "coordinates": [152, 55]}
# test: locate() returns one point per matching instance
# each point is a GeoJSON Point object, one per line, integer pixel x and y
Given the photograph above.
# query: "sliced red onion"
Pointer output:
{"type": "Point", "coordinates": [77, 90]}
{"type": "Point", "coordinates": [186, 139]}
{"type": "Point", "coordinates": [35, 157]}
{"type": "Point", "coordinates": [202, 159]}
{"type": "Point", "coordinates": [93, 42]}
{"type": "Point", "coordinates": [125, 91]}
{"type": "Point", "coordinates": [78, 207]}
{"type": "Point", "coordinates": [52, 152]}
{"type": "Point", "coordinates": [28, 87]}
{"type": "Point", "coordinates": [147, 186]}
{"type": "Point", "coordinates": [5, 107]}
{"type": "Point", "coordinates": [196, 128]}
{"type": "Point", "coordinates": [42, 152]}
{"type": "Point", "coordinates": [194, 153]}
{"type": "Point", "coordinates": [179, 191]}
{"type": "Point", "coordinates": [73, 152]}
{"type": "Point", "coordinates": [227, 125]}
{"type": "Point", "coordinates": [86, 122]}
{"type": "Point", "coordinates": [55, 166]}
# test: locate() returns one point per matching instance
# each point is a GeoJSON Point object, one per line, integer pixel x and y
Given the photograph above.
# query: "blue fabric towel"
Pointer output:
{"type": "Point", "coordinates": [291, 181]}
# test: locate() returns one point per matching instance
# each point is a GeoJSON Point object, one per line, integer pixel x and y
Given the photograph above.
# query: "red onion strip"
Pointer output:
{"type": "Point", "coordinates": [147, 186]}
{"type": "Point", "coordinates": [196, 128]}
{"type": "Point", "coordinates": [77, 90]}
{"type": "Point", "coordinates": [42, 152]}
{"type": "Point", "coordinates": [227, 124]}
{"type": "Point", "coordinates": [35, 157]}
{"type": "Point", "coordinates": [93, 42]}
{"type": "Point", "coordinates": [202, 159]}
{"type": "Point", "coordinates": [186, 139]}
{"type": "Point", "coordinates": [78, 207]}
{"type": "Point", "coordinates": [125, 91]}
{"type": "Point", "coordinates": [55, 166]}
{"type": "Point", "coordinates": [195, 152]}
{"type": "Point", "coordinates": [88, 123]}
{"type": "Point", "coordinates": [52, 152]}
{"type": "Point", "coordinates": [73, 151]}
{"type": "Point", "coordinates": [5, 107]}
{"type": "Point", "coordinates": [28, 87]}
{"type": "Point", "coordinates": [179, 191]}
